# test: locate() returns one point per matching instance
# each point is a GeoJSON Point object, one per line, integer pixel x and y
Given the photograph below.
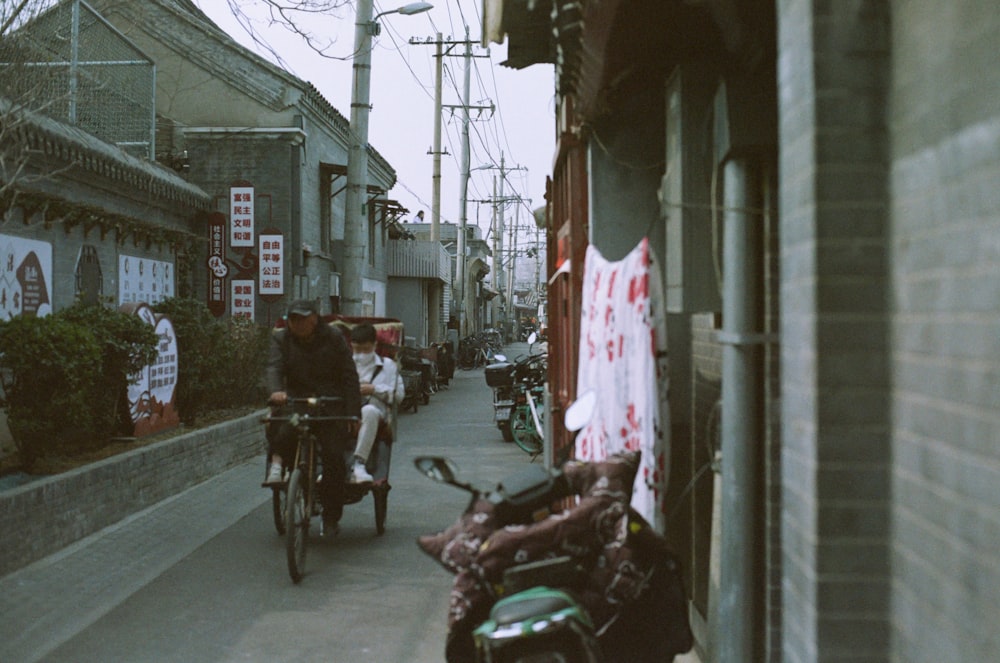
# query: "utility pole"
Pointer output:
{"type": "Point", "coordinates": [500, 228]}
{"type": "Point", "coordinates": [463, 189]}
{"type": "Point", "coordinates": [356, 196]}
{"type": "Point", "coordinates": [496, 252]}
{"type": "Point", "coordinates": [436, 177]}
{"type": "Point", "coordinates": [458, 303]}
{"type": "Point", "coordinates": [355, 205]}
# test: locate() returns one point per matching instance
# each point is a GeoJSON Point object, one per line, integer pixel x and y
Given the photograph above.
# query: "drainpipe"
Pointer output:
{"type": "Point", "coordinates": [741, 337]}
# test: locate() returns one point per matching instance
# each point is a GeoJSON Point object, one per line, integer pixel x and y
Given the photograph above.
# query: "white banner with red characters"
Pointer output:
{"type": "Point", "coordinates": [241, 216]}
{"type": "Point", "coordinates": [623, 359]}
{"type": "Point", "coordinates": [271, 264]}
{"type": "Point", "coordinates": [242, 298]}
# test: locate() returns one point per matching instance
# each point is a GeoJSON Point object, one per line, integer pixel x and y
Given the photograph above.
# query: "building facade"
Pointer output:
{"type": "Point", "coordinates": [272, 153]}
{"type": "Point", "coordinates": [817, 182]}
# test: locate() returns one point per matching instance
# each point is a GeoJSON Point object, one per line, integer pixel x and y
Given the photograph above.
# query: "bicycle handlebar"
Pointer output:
{"type": "Point", "coordinates": [312, 401]}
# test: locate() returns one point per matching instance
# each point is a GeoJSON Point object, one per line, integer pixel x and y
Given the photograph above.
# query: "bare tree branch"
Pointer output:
{"type": "Point", "coordinates": [300, 17]}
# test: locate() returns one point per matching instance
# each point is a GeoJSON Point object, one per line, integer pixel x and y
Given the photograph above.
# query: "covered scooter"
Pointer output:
{"type": "Point", "coordinates": [537, 582]}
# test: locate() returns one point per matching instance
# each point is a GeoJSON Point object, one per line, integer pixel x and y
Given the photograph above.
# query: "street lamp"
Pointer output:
{"type": "Point", "coordinates": [355, 205]}
{"type": "Point", "coordinates": [374, 29]}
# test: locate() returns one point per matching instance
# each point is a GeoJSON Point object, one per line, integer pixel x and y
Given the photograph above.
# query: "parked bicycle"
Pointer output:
{"type": "Point", "coordinates": [479, 349]}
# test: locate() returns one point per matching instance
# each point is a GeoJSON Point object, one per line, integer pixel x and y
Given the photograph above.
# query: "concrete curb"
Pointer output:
{"type": "Point", "coordinates": [47, 515]}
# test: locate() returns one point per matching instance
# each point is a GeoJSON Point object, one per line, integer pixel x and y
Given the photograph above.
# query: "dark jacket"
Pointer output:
{"type": "Point", "coordinates": [324, 366]}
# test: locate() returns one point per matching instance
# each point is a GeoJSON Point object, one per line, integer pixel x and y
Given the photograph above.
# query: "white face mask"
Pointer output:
{"type": "Point", "coordinates": [364, 358]}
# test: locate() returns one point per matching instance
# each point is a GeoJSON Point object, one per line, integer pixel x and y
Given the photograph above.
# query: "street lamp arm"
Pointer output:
{"type": "Point", "coordinates": [406, 10]}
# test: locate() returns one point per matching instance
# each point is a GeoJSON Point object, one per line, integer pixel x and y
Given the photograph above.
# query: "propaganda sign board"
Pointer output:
{"type": "Point", "coordinates": [241, 216]}
{"type": "Point", "coordinates": [152, 390]}
{"type": "Point", "coordinates": [242, 299]}
{"type": "Point", "coordinates": [25, 277]}
{"type": "Point", "coordinates": [271, 254]}
{"type": "Point", "coordinates": [216, 265]}
{"type": "Point", "coordinates": [144, 280]}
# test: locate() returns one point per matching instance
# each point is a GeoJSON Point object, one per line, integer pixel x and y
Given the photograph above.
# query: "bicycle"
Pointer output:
{"type": "Point", "coordinates": [527, 422]}
{"type": "Point", "coordinates": [294, 503]}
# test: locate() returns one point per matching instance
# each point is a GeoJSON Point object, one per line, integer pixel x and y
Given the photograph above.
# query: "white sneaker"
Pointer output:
{"type": "Point", "coordinates": [273, 475]}
{"type": "Point", "coordinates": [359, 474]}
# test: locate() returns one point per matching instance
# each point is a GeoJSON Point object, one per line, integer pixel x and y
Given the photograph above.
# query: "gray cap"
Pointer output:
{"type": "Point", "coordinates": [302, 307]}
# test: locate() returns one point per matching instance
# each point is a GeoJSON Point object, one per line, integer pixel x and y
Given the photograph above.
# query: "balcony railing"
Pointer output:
{"type": "Point", "coordinates": [416, 258]}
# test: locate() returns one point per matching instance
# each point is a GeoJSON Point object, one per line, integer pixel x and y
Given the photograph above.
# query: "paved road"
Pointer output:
{"type": "Point", "coordinates": [202, 576]}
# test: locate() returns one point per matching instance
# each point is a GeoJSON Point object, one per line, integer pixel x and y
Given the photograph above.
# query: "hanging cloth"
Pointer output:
{"type": "Point", "coordinates": [623, 359]}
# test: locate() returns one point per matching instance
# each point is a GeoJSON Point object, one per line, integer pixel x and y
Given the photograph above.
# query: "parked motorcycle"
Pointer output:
{"type": "Point", "coordinates": [517, 386]}
{"type": "Point", "coordinates": [591, 583]}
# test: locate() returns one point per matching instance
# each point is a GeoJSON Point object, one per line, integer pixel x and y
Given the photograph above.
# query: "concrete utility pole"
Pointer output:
{"type": "Point", "coordinates": [355, 207]}
{"type": "Point", "coordinates": [355, 200]}
{"type": "Point", "coordinates": [499, 228]}
{"type": "Point", "coordinates": [511, 281]}
{"type": "Point", "coordinates": [463, 189]}
{"type": "Point", "coordinates": [497, 244]}
{"type": "Point", "coordinates": [436, 177]}
{"type": "Point", "coordinates": [458, 303]}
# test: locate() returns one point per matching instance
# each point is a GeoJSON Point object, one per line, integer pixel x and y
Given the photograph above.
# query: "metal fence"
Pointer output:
{"type": "Point", "coordinates": [72, 65]}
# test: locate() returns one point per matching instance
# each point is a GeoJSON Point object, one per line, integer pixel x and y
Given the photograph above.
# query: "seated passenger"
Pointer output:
{"type": "Point", "coordinates": [381, 386]}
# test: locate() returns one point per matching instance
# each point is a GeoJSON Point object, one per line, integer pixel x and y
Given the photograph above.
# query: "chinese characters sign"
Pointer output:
{"type": "Point", "coordinates": [241, 302]}
{"type": "Point", "coordinates": [245, 261]}
{"type": "Point", "coordinates": [144, 280]}
{"type": "Point", "coordinates": [151, 392]}
{"type": "Point", "coordinates": [25, 275]}
{"type": "Point", "coordinates": [217, 268]}
{"type": "Point", "coordinates": [241, 216]}
{"type": "Point", "coordinates": [272, 264]}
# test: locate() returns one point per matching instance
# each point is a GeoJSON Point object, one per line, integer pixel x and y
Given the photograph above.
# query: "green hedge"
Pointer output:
{"type": "Point", "coordinates": [65, 376]}
{"type": "Point", "coordinates": [220, 362]}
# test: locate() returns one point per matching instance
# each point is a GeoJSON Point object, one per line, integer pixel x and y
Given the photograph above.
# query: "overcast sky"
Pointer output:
{"type": "Point", "coordinates": [522, 127]}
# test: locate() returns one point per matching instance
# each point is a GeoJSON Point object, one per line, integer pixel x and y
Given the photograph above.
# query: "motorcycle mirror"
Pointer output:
{"type": "Point", "coordinates": [580, 411]}
{"type": "Point", "coordinates": [500, 357]}
{"type": "Point", "coordinates": [436, 468]}
{"type": "Point", "coordinates": [532, 337]}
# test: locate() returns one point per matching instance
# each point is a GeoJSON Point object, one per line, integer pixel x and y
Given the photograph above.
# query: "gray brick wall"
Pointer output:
{"type": "Point", "coordinates": [66, 246]}
{"type": "Point", "coordinates": [945, 125]}
{"type": "Point", "coordinates": [47, 515]}
{"type": "Point", "coordinates": [706, 359]}
{"type": "Point", "coordinates": [833, 65]}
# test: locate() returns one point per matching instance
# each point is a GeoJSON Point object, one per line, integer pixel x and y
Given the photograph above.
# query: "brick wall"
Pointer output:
{"type": "Point", "coordinates": [946, 334]}
{"type": "Point", "coordinates": [706, 359]}
{"type": "Point", "coordinates": [833, 68]}
{"type": "Point", "coordinates": [47, 515]}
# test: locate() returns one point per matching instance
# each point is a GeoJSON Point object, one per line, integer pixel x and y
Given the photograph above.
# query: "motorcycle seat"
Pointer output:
{"type": "Point", "coordinates": [530, 605]}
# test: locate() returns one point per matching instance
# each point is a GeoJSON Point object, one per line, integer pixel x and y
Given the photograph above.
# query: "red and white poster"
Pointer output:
{"type": "Point", "coordinates": [25, 275]}
{"type": "Point", "coordinates": [272, 263]}
{"type": "Point", "coordinates": [241, 301]}
{"type": "Point", "coordinates": [241, 206]}
{"type": "Point", "coordinates": [151, 391]}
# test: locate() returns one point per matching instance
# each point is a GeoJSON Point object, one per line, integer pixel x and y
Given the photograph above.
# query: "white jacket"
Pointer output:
{"type": "Point", "coordinates": [384, 376]}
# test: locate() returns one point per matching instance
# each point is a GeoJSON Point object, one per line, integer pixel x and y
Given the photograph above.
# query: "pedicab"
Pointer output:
{"type": "Point", "coordinates": [292, 517]}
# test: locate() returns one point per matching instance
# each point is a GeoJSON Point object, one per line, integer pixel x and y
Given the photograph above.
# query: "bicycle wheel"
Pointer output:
{"type": "Point", "coordinates": [523, 429]}
{"type": "Point", "coordinates": [296, 525]}
{"type": "Point", "coordinates": [278, 506]}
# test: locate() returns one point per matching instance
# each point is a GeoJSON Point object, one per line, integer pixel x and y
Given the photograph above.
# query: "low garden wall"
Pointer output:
{"type": "Point", "coordinates": [44, 516]}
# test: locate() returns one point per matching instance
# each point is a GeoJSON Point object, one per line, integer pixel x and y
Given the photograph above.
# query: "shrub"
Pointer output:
{"type": "Point", "coordinates": [65, 376]}
{"type": "Point", "coordinates": [245, 350]}
{"type": "Point", "coordinates": [219, 362]}
{"type": "Point", "coordinates": [127, 345]}
{"type": "Point", "coordinates": [51, 368]}
{"type": "Point", "coordinates": [199, 366]}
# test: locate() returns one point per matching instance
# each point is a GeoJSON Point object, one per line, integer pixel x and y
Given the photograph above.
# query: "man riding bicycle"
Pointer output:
{"type": "Point", "coordinates": [308, 359]}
